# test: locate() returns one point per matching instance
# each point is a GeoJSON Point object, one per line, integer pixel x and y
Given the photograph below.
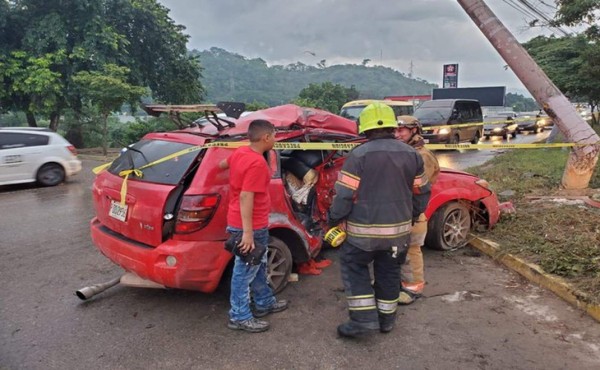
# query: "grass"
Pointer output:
{"type": "Point", "coordinates": [563, 239]}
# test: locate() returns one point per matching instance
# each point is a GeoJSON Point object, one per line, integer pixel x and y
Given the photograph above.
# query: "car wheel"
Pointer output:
{"type": "Point", "coordinates": [514, 134]}
{"type": "Point", "coordinates": [449, 227]}
{"type": "Point", "coordinates": [279, 264]}
{"type": "Point", "coordinates": [50, 174]}
{"type": "Point", "coordinates": [476, 138]}
{"type": "Point", "coordinates": [455, 140]}
{"type": "Point", "coordinates": [504, 136]}
{"type": "Point", "coordinates": [486, 137]}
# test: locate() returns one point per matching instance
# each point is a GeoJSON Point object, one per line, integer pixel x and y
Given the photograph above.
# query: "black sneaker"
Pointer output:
{"type": "Point", "coordinates": [279, 306]}
{"type": "Point", "coordinates": [251, 325]}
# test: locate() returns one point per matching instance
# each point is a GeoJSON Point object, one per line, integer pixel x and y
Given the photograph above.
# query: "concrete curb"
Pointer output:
{"type": "Point", "coordinates": [535, 274]}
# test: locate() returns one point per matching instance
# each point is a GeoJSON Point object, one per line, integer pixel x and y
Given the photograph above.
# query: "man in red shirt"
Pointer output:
{"type": "Point", "coordinates": [248, 215]}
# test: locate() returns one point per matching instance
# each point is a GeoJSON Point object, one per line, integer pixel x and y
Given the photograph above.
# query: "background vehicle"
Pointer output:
{"type": "Point", "coordinates": [450, 112]}
{"type": "Point", "coordinates": [35, 154]}
{"type": "Point", "coordinates": [351, 110]}
{"type": "Point", "coordinates": [171, 228]}
{"type": "Point", "coordinates": [500, 124]}
{"type": "Point", "coordinates": [531, 122]}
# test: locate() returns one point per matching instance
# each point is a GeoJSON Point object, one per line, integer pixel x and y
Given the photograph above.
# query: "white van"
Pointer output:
{"type": "Point", "coordinates": [35, 154]}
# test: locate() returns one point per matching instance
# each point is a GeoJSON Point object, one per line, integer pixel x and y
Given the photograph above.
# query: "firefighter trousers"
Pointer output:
{"type": "Point", "coordinates": [412, 275]}
{"type": "Point", "coordinates": [369, 304]}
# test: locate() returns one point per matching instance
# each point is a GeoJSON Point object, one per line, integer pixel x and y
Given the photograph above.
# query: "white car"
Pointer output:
{"type": "Point", "coordinates": [35, 154]}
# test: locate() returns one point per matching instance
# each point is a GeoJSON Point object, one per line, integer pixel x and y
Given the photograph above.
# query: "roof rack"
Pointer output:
{"type": "Point", "coordinates": [231, 109]}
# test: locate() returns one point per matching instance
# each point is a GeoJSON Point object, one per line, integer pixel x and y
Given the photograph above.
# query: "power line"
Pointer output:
{"type": "Point", "coordinates": [542, 15]}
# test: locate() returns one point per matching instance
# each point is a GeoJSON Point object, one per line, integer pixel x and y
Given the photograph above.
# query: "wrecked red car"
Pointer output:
{"type": "Point", "coordinates": [170, 228]}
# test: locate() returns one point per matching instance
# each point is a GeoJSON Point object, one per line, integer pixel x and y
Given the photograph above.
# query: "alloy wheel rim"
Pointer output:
{"type": "Point", "coordinates": [275, 267]}
{"type": "Point", "coordinates": [456, 228]}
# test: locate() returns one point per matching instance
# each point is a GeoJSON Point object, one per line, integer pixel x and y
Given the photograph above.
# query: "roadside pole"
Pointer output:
{"type": "Point", "coordinates": [583, 159]}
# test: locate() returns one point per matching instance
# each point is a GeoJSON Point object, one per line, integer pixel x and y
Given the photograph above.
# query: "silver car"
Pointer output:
{"type": "Point", "coordinates": [35, 155]}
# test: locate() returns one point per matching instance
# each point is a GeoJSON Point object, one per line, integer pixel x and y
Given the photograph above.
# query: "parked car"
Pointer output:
{"type": "Point", "coordinates": [450, 112]}
{"type": "Point", "coordinates": [171, 227]}
{"type": "Point", "coordinates": [35, 154]}
{"type": "Point", "coordinates": [500, 124]}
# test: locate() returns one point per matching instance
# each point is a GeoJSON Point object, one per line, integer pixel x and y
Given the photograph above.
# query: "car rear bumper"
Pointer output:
{"type": "Point", "coordinates": [199, 264]}
{"type": "Point", "coordinates": [436, 138]}
{"type": "Point", "coordinates": [73, 166]}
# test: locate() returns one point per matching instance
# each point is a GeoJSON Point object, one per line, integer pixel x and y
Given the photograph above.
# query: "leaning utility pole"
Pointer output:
{"type": "Point", "coordinates": [582, 160]}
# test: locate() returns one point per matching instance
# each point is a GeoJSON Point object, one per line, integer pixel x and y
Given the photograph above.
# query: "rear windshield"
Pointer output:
{"type": "Point", "coordinates": [146, 151]}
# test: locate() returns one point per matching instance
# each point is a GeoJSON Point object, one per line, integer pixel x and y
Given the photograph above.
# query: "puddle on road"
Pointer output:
{"type": "Point", "coordinates": [464, 295]}
{"type": "Point", "coordinates": [528, 306]}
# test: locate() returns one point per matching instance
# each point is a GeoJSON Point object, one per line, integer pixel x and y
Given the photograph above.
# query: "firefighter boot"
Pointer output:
{"type": "Point", "coordinates": [352, 329]}
{"type": "Point", "coordinates": [386, 322]}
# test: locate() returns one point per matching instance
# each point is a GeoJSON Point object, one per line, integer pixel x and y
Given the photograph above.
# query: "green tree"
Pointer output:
{"type": "Point", "coordinates": [327, 96]}
{"type": "Point", "coordinates": [85, 35]}
{"type": "Point", "coordinates": [519, 103]}
{"type": "Point", "coordinates": [108, 90]}
{"type": "Point", "coordinates": [571, 63]}
{"type": "Point", "coordinates": [579, 12]}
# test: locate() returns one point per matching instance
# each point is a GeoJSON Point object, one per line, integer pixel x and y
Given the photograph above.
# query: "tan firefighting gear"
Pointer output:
{"type": "Point", "coordinates": [381, 189]}
{"type": "Point", "coordinates": [412, 275]}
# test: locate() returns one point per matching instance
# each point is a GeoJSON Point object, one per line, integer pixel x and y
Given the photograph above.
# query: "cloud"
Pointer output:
{"type": "Point", "coordinates": [393, 33]}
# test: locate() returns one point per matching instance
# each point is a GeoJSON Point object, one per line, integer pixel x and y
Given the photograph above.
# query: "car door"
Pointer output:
{"type": "Point", "coordinates": [20, 154]}
{"type": "Point", "coordinates": [463, 116]}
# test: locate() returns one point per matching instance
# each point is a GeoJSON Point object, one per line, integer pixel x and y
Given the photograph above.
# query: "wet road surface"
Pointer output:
{"type": "Point", "coordinates": [475, 314]}
{"type": "Point", "coordinates": [463, 159]}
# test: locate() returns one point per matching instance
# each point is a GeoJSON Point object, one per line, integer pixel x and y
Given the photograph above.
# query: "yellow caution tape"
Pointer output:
{"type": "Point", "coordinates": [427, 128]}
{"type": "Point", "coordinates": [311, 146]}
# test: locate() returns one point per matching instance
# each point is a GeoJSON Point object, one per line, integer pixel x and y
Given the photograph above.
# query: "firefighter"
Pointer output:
{"type": "Point", "coordinates": [381, 189]}
{"type": "Point", "coordinates": [413, 279]}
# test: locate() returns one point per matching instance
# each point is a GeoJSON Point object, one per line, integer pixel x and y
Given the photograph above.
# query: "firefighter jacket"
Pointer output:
{"type": "Point", "coordinates": [380, 190]}
{"type": "Point", "coordinates": [430, 162]}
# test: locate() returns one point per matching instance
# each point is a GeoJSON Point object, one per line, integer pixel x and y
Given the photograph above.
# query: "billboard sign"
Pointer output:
{"type": "Point", "coordinates": [488, 96]}
{"type": "Point", "coordinates": [450, 76]}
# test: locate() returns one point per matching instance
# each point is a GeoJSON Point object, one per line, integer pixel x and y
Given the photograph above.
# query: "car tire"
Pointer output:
{"type": "Point", "coordinates": [476, 137]}
{"type": "Point", "coordinates": [50, 174]}
{"type": "Point", "coordinates": [279, 264]}
{"type": "Point", "coordinates": [504, 136]}
{"type": "Point", "coordinates": [486, 137]}
{"type": "Point", "coordinates": [513, 134]}
{"type": "Point", "coordinates": [455, 140]}
{"type": "Point", "coordinates": [449, 227]}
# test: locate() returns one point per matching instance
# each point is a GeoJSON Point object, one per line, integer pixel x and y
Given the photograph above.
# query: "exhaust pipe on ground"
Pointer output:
{"type": "Point", "coordinates": [128, 279]}
{"type": "Point", "coordinates": [90, 291]}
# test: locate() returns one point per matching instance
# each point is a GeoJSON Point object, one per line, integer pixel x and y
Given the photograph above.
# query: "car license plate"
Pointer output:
{"type": "Point", "coordinates": [426, 141]}
{"type": "Point", "coordinates": [118, 211]}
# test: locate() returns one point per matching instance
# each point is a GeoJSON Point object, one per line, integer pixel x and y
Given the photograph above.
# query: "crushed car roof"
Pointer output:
{"type": "Point", "coordinates": [287, 117]}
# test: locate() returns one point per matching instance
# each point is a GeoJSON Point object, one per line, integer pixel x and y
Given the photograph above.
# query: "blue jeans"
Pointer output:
{"type": "Point", "coordinates": [248, 278]}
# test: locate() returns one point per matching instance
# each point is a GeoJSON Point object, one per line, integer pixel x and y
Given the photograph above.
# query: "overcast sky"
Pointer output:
{"type": "Point", "coordinates": [429, 33]}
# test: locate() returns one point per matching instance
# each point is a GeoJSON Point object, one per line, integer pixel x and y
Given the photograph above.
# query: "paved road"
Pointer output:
{"type": "Point", "coordinates": [476, 315]}
{"type": "Point", "coordinates": [463, 159]}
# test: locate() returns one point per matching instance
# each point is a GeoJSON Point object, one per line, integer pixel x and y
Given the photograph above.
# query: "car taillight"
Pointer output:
{"type": "Point", "coordinates": [195, 212]}
{"type": "Point", "coordinates": [72, 150]}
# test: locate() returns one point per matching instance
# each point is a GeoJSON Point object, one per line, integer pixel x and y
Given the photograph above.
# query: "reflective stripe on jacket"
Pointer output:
{"type": "Point", "coordinates": [380, 187]}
